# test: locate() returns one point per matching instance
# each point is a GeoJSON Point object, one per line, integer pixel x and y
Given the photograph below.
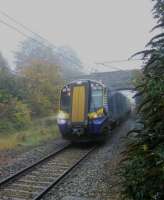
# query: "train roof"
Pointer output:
{"type": "Point", "coordinates": [87, 80]}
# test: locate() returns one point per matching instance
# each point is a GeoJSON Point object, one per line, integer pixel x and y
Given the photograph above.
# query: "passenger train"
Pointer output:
{"type": "Point", "coordinates": [88, 110]}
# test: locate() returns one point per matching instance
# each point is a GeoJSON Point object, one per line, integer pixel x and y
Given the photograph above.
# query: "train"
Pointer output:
{"type": "Point", "coordinates": [89, 110]}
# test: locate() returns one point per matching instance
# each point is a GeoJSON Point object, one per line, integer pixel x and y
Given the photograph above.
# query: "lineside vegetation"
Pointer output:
{"type": "Point", "coordinates": [142, 171]}
{"type": "Point", "coordinates": [27, 93]}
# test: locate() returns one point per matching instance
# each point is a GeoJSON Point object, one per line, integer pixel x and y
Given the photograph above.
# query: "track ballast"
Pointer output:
{"type": "Point", "coordinates": [36, 180]}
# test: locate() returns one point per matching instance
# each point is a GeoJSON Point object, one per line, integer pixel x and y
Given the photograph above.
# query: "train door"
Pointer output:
{"type": "Point", "coordinates": [79, 103]}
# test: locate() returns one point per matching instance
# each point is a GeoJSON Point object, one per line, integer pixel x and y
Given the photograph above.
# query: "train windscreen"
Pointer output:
{"type": "Point", "coordinates": [96, 98]}
{"type": "Point", "coordinates": [65, 101]}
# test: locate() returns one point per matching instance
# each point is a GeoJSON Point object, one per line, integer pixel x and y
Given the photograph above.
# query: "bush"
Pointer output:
{"type": "Point", "coordinates": [20, 115]}
{"type": "Point", "coordinates": [17, 116]}
{"type": "Point", "coordinates": [40, 105]}
{"type": "Point", "coordinates": [142, 170]}
{"type": "Point", "coordinates": [6, 126]}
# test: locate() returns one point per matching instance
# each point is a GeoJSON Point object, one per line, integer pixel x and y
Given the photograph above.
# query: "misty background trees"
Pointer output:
{"type": "Point", "coordinates": [31, 89]}
{"type": "Point", "coordinates": [36, 49]}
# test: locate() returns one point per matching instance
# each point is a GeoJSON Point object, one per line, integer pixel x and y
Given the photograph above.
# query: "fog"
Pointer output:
{"type": "Point", "coordinates": [97, 30]}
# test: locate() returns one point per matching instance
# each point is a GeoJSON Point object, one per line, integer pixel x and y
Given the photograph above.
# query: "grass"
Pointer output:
{"type": "Point", "coordinates": [39, 131]}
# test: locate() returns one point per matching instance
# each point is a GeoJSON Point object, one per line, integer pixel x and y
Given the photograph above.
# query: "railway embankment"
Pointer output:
{"type": "Point", "coordinates": [94, 178]}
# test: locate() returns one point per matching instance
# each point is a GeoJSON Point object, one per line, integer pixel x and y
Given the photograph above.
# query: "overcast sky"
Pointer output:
{"type": "Point", "coordinates": [98, 30]}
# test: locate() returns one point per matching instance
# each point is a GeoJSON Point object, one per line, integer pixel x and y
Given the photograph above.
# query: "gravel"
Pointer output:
{"type": "Point", "coordinates": [95, 177]}
{"type": "Point", "coordinates": [17, 160]}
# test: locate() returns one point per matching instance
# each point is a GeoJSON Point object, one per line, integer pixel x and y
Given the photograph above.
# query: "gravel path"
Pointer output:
{"type": "Point", "coordinates": [15, 160]}
{"type": "Point", "coordinates": [94, 178]}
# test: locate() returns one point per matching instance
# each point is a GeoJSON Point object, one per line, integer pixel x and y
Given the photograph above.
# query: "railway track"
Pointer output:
{"type": "Point", "coordinates": [36, 180]}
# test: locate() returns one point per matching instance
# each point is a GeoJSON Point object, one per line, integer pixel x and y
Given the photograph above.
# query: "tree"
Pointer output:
{"type": "Point", "coordinates": [71, 65]}
{"type": "Point", "coordinates": [37, 64]}
{"type": "Point", "coordinates": [42, 82]}
{"type": "Point", "coordinates": [10, 82]}
{"type": "Point", "coordinates": [33, 49]}
{"type": "Point", "coordinates": [14, 114]}
{"type": "Point", "coordinates": [3, 62]}
{"type": "Point", "coordinates": [4, 94]}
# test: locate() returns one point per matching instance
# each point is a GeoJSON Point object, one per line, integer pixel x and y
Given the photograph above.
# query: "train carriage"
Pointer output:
{"type": "Point", "coordinates": [87, 110]}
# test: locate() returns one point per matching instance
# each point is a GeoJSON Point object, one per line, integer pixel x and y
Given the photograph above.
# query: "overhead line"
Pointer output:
{"type": "Point", "coordinates": [19, 31]}
{"type": "Point", "coordinates": [44, 39]}
{"type": "Point", "coordinates": [27, 36]}
{"type": "Point", "coordinates": [24, 26]}
{"type": "Point", "coordinates": [14, 28]}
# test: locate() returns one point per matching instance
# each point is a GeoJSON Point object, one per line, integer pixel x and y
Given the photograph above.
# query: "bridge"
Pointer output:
{"type": "Point", "coordinates": [115, 80]}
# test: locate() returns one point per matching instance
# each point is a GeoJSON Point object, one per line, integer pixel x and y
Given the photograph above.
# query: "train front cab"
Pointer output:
{"type": "Point", "coordinates": [83, 112]}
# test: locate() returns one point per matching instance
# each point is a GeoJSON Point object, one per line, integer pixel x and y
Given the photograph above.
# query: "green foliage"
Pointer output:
{"type": "Point", "coordinates": [14, 115]}
{"type": "Point", "coordinates": [6, 126]}
{"type": "Point", "coordinates": [143, 166]}
{"type": "Point", "coordinates": [38, 132]}
{"type": "Point", "coordinates": [3, 63]}
{"type": "Point", "coordinates": [19, 115]}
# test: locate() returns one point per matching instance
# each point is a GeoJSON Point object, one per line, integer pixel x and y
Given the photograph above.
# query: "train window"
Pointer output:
{"type": "Point", "coordinates": [96, 98]}
{"type": "Point", "coordinates": [65, 100]}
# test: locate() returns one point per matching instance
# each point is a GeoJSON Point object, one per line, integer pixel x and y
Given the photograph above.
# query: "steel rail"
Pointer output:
{"type": "Point", "coordinates": [43, 193]}
{"type": "Point", "coordinates": [26, 169]}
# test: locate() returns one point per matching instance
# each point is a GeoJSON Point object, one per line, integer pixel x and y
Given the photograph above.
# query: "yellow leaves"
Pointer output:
{"type": "Point", "coordinates": [145, 147]}
{"type": "Point", "coordinates": [42, 83]}
{"type": "Point", "coordinates": [41, 71]}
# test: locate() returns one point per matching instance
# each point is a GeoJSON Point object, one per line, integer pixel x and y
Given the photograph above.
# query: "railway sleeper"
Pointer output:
{"type": "Point", "coordinates": [26, 187]}
{"type": "Point", "coordinates": [36, 178]}
{"type": "Point", "coordinates": [10, 193]}
{"type": "Point", "coordinates": [27, 182]}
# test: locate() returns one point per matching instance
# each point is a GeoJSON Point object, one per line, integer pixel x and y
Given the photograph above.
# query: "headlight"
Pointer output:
{"type": "Point", "coordinates": [62, 115]}
{"type": "Point", "coordinates": [61, 121]}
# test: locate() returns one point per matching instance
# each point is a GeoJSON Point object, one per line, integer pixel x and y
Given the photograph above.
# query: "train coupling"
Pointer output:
{"type": "Point", "coordinates": [78, 131]}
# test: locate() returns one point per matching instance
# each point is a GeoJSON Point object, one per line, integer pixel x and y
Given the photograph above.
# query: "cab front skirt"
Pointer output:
{"type": "Point", "coordinates": [93, 131]}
